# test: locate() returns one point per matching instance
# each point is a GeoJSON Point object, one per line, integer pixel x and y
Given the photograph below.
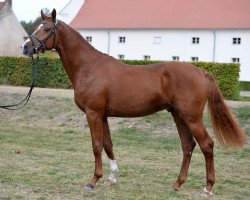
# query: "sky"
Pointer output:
{"type": "Point", "coordinates": [29, 10]}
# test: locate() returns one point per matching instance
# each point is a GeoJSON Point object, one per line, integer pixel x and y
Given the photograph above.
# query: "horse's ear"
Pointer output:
{"type": "Point", "coordinates": [43, 15]}
{"type": "Point", "coordinates": [54, 15]}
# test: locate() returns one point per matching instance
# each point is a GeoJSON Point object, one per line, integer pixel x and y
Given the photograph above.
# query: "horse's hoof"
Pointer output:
{"type": "Point", "coordinates": [208, 193]}
{"type": "Point", "coordinates": [175, 188]}
{"type": "Point", "coordinates": [111, 182]}
{"type": "Point", "coordinates": [89, 186]}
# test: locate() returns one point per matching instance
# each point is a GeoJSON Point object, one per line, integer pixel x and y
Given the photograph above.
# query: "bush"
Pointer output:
{"type": "Point", "coordinates": [18, 71]}
{"type": "Point", "coordinates": [244, 86]}
{"type": "Point", "coordinates": [226, 76]}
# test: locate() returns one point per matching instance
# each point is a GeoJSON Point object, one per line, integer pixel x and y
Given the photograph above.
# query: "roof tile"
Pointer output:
{"type": "Point", "coordinates": [1, 5]}
{"type": "Point", "coordinates": [163, 14]}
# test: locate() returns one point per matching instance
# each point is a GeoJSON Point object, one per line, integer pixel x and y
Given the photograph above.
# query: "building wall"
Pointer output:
{"type": "Point", "coordinates": [177, 42]}
{"type": "Point", "coordinates": [226, 50]}
{"type": "Point", "coordinates": [100, 39]}
{"type": "Point", "coordinates": [11, 33]}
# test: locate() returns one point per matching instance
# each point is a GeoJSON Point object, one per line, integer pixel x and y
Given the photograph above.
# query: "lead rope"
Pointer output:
{"type": "Point", "coordinates": [26, 99]}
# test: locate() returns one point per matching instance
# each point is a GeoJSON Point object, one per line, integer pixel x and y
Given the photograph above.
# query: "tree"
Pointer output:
{"type": "Point", "coordinates": [31, 26]}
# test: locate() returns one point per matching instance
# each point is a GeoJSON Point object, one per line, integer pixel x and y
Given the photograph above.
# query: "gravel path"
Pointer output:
{"type": "Point", "coordinates": [69, 93]}
{"type": "Point", "coordinates": [245, 93]}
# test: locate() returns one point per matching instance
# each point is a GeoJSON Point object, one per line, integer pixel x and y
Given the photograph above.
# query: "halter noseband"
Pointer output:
{"type": "Point", "coordinates": [41, 43]}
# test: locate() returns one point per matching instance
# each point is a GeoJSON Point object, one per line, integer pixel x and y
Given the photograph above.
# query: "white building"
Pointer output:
{"type": "Point", "coordinates": [11, 31]}
{"type": "Point", "coordinates": [190, 30]}
{"type": "Point", "coordinates": [69, 12]}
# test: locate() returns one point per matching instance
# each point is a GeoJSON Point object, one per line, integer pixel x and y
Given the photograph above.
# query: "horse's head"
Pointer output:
{"type": "Point", "coordinates": [44, 38]}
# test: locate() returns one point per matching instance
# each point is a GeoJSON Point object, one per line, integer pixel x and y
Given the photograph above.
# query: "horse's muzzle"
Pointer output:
{"type": "Point", "coordinates": [28, 51]}
{"type": "Point", "coordinates": [27, 48]}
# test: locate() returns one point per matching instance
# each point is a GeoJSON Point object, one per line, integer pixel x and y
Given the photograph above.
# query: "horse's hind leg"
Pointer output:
{"type": "Point", "coordinates": [108, 147]}
{"type": "Point", "coordinates": [206, 144]}
{"type": "Point", "coordinates": [188, 144]}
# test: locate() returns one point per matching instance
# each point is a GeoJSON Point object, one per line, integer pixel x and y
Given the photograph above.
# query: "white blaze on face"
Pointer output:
{"type": "Point", "coordinates": [26, 41]}
{"type": "Point", "coordinates": [113, 170]}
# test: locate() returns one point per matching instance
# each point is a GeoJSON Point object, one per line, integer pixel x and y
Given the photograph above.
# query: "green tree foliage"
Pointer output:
{"type": "Point", "coordinates": [31, 26]}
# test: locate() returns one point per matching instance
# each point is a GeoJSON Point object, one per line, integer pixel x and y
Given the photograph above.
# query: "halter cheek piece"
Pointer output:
{"type": "Point", "coordinates": [43, 43]}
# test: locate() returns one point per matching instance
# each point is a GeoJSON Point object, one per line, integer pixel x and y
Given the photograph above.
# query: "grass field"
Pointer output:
{"type": "Point", "coordinates": [46, 153]}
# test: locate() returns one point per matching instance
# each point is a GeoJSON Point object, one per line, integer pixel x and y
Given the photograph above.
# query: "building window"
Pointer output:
{"type": "Point", "coordinates": [195, 40]}
{"type": "Point", "coordinates": [236, 40]}
{"type": "Point", "coordinates": [175, 58]}
{"type": "Point", "coordinates": [122, 39]}
{"type": "Point", "coordinates": [157, 40]}
{"type": "Point", "coordinates": [146, 57]}
{"type": "Point", "coordinates": [89, 39]}
{"type": "Point", "coordinates": [121, 57]}
{"type": "Point", "coordinates": [235, 60]}
{"type": "Point", "coordinates": [194, 59]}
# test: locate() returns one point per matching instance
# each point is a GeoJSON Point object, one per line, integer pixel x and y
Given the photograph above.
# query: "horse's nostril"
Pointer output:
{"type": "Point", "coordinates": [25, 48]}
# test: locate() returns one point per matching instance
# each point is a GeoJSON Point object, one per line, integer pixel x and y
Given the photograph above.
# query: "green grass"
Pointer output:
{"type": "Point", "coordinates": [243, 114]}
{"type": "Point", "coordinates": [245, 98]}
{"type": "Point", "coordinates": [56, 157]}
{"type": "Point", "coordinates": [244, 85]}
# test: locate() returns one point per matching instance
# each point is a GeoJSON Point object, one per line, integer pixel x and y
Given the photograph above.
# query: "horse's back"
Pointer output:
{"type": "Point", "coordinates": [142, 90]}
{"type": "Point", "coordinates": [136, 91]}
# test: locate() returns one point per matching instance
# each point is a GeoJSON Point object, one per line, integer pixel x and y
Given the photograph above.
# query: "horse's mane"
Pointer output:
{"type": "Point", "coordinates": [82, 40]}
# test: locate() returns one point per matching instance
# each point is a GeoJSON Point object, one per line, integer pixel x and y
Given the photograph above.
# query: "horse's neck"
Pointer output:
{"type": "Point", "coordinates": [74, 51]}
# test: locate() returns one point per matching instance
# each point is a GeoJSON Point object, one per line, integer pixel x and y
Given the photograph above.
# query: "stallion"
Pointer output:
{"type": "Point", "coordinates": [105, 87]}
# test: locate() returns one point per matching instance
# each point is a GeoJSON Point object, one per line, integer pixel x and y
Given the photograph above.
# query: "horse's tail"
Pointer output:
{"type": "Point", "coordinates": [226, 128]}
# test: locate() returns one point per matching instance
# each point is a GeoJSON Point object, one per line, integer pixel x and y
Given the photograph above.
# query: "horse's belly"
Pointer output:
{"type": "Point", "coordinates": [136, 107]}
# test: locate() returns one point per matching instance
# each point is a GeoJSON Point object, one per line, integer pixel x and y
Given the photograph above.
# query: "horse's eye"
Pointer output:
{"type": "Point", "coordinates": [47, 29]}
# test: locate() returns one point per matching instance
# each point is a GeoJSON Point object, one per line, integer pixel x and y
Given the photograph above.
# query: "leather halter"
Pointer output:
{"type": "Point", "coordinates": [43, 43]}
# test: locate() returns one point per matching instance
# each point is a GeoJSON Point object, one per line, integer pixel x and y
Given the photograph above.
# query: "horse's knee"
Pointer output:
{"type": "Point", "coordinates": [188, 149]}
{"type": "Point", "coordinates": [97, 149]}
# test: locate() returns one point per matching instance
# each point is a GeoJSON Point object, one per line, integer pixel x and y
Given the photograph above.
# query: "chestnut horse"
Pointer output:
{"type": "Point", "coordinates": [105, 87]}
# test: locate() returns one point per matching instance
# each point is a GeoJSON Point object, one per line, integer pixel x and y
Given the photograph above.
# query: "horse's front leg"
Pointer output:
{"type": "Point", "coordinates": [96, 128]}
{"type": "Point", "coordinates": [108, 147]}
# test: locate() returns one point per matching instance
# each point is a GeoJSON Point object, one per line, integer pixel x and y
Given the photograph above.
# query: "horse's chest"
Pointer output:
{"type": "Point", "coordinates": [81, 99]}
{"type": "Point", "coordinates": [88, 98]}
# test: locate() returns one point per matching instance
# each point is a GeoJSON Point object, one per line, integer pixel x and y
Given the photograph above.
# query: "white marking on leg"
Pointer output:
{"type": "Point", "coordinates": [113, 170]}
{"type": "Point", "coordinates": [207, 192]}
